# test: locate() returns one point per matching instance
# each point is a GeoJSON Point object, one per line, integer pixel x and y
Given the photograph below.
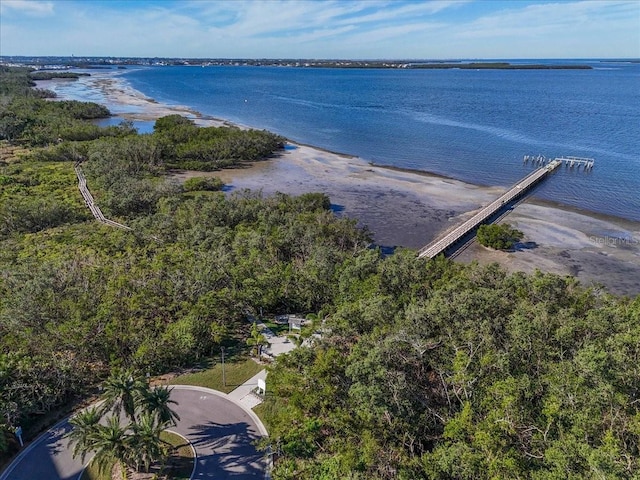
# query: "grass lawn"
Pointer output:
{"type": "Point", "coordinates": [260, 410]}
{"type": "Point", "coordinates": [236, 372]}
{"type": "Point", "coordinates": [179, 465]}
{"type": "Point", "coordinates": [92, 472]}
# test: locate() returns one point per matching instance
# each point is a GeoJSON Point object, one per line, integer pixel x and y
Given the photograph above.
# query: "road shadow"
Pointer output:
{"type": "Point", "coordinates": [227, 450]}
{"type": "Point", "coordinates": [49, 457]}
{"type": "Point", "coordinates": [56, 439]}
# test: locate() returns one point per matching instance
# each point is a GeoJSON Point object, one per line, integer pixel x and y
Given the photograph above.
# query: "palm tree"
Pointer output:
{"type": "Point", "coordinates": [256, 339]}
{"type": "Point", "coordinates": [132, 445]}
{"type": "Point", "coordinates": [156, 403]}
{"type": "Point", "coordinates": [146, 442]}
{"type": "Point", "coordinates": [122, 390]}
{"type": "Point", "coordinates": [85, 426]}
{"type": "Point", "coordinates": [112, 444]}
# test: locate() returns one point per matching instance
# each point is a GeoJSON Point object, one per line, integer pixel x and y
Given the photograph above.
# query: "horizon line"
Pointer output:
{"type": "Point", "coordinates": [433, 59]}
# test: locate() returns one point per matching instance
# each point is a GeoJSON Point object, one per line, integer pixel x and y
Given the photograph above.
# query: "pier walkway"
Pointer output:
{"type": "Point", "coordinates": [88, 199]}
{"type": "Point", "coordinates": [514, 193]}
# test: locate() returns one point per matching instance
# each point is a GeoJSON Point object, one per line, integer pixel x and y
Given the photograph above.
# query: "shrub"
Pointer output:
{"type": "Point", "coordinates": [500, 237]}
{"type": "Point", "coordinates": [197, 184]}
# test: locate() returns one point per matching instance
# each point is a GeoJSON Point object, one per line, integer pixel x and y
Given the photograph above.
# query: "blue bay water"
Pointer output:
{"type": "Point", "coordinates": [471, 125]}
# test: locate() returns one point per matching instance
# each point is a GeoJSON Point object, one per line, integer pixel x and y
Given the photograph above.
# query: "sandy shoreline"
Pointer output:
{"type": "Point", "coordinates": [410, 209]}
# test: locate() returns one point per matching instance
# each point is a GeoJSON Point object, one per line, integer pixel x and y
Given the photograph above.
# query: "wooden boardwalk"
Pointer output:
{"type": "Point", "coordinates": [88, 199]}
{"type": "Point", "coordinates": [514, 193]}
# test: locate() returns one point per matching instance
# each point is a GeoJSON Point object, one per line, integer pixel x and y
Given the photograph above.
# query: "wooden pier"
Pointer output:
{"type": "Point", "coordinates": [514, 193]}
{"type": "Point", "coordinates": [570, 162]}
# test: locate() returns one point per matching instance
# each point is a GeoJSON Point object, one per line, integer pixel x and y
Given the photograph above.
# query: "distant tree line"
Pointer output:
{"type": "Point", "coordinates": [26, 117]}
{"type": "Point", "coordinates": [16, 82]}
{"type": "Point", "coordinates": [185, 145]}
{"type": "Point", "coordinates": [50, 75]}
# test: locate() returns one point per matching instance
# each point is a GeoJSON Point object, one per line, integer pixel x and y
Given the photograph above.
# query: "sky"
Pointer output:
{"type": "Point", "coordinates": [322, 29]}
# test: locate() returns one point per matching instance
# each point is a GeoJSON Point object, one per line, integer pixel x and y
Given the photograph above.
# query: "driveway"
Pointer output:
{"type": "Point", "coordinates": [221, 431]}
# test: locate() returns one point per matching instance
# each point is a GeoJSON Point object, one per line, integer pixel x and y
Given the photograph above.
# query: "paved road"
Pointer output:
{"type": "Point", "coordinates": [220, 430]}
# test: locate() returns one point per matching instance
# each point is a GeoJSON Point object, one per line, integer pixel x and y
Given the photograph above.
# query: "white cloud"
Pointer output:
{"type": "Point", "coordinates": [552, 19]}
{"type": "Point", "coordinates": [28, 7]}
{"type": "Point", "coordinates": [581, 29]}
{"type": "Point", "coordinates": [393, 12]}
{"type": "Point", "coordinates": [264, 18]}
{"type": "Point", "coordinates": [323, 29]}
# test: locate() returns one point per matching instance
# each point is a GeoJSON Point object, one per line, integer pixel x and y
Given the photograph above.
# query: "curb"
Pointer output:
{"type": "Point", "coordinates": [195, 454]}
{"type": "Point", "coordinates": [251, 413]}
{"type": "Point", "coordinates": [25, 451]}
{"type": "Point", "coordinates": [248, 411]}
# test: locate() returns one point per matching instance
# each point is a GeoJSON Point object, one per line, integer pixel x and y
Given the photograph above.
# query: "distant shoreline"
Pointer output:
{"type": "Point", "coordinates": [405, 64]}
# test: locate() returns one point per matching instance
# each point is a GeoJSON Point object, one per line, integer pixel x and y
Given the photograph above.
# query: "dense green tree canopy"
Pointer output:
{"type": "Point", "coordinates": [472, 374]}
